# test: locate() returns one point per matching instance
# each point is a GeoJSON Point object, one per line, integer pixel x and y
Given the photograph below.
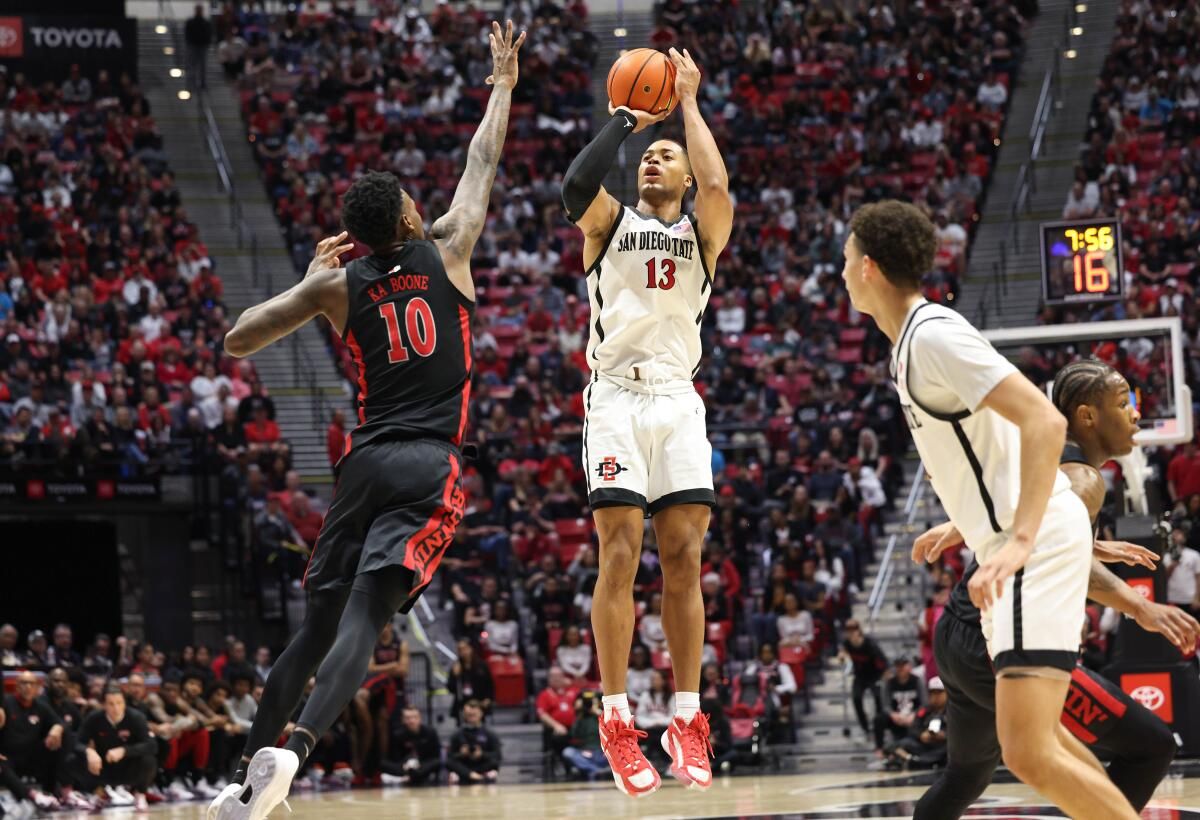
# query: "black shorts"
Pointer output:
{"type": "Point", "coordinates": [1094, 708]}
{"type": "Point", "coordinates": [396, 503]}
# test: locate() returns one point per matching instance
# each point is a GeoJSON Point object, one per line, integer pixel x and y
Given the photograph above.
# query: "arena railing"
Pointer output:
{"type": "Point", "coordinates": [1020, 204]}
{"type": "Point", "coordinates": [883, 577]}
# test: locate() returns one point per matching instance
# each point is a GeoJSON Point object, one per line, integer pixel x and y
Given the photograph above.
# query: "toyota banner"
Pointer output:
{"type": "Point", "coordinates": [44, 48]}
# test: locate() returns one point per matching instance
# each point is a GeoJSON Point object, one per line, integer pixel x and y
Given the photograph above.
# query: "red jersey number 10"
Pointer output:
{"type": "Point", "coordinates": [418, 323]}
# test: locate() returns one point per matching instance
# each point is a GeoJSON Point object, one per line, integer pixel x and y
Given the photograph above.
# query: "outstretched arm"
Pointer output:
{"type": "Point", "coordinates": [322, 291]}
{"type": "Point", "coordinates": [457, 231]}
{"type": "Point", "coordinates": [714, 208]}
{"type": "Point", "coordinates": [1172, 623]}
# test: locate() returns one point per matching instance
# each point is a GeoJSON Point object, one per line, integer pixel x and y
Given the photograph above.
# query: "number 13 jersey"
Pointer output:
{"type": "Point", "coordinates": [648, 289]}
{"type": "Point", "coordinates": [409, 330]}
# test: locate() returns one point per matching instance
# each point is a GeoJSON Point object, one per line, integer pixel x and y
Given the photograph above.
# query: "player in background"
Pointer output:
{"type": "Point", "coordinates": [645, 444]}
{"type": "Point", "coordinates": [405, 313]}
{"type": "Point", "coordinates": [990, 441]}
{"type": "Point", "coordinates": [1094, 398]}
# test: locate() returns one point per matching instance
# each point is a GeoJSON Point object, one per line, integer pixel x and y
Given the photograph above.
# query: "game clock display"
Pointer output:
{"type": "Point", "coordinates": [1081, 261]}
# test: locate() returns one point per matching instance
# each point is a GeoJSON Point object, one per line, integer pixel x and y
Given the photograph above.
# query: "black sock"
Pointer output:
{"type": "Point", "coordinates": [239, 776]}
{"type": "Point", "coordinates": [302, 742]}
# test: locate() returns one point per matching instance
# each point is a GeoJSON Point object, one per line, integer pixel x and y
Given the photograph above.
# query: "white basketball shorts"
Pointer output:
{"type": "Point", "coordinates": [1038, 619]}
{"type": "Point", "coordinates": [645, 450]}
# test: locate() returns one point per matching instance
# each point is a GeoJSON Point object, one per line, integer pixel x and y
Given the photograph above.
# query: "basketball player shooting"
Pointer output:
{"type": "Point", "coordinates": [645, 446]}
{"type": "Point", "coordinates": [1101, 424]}
{"type": "Point", "coordinates": [991, 441]}
{"type": "Point", "coordinates": [405, 313]}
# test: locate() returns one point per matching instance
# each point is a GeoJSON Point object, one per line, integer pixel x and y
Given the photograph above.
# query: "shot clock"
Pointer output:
{"type": "Point", "coordinates": [1081, 261]}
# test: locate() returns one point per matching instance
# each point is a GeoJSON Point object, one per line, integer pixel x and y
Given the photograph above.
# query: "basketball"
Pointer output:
{"type": "Point", "coordinates": [643, 79]}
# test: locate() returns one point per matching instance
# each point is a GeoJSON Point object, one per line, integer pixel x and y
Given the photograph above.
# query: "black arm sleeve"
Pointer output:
{"type": "Point", "coordinates": [583, 179]}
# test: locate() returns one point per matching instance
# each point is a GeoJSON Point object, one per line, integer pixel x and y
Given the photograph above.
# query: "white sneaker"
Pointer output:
{"type": "Point", "coordinates": [118, 797]}
{"type": "Point", "coordinates": [21, 811]}
{"type": "Point", "coordinates": [393, 780]}
{"type": "Point", "coordinates": [268, 781]}
{"type": "Point", "coordinates": [231, 792]}
{"type": "Point", "coordinates": [75, 800]}
{"type": "Point", "coordinates": [205, 791]}
{"type": "Point", "coordinates": [44, 801]}
{"type": "Point", "coordinates": [178, 792]}
{"type": "Point", "coordinates": [140, 803]}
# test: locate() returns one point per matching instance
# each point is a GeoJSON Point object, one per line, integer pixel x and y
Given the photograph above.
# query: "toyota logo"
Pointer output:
{"type": "Point", "coordinates": [1149, 696]}
{"type": "Point", "coordinates": [8, 37]}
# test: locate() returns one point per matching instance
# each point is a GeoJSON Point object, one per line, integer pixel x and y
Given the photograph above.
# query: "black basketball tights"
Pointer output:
{"type": "Point", "coordinates": [335, 641]}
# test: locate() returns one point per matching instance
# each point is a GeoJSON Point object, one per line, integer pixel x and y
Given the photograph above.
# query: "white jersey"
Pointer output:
{"type": "Point", "coordinates": [648, 289]}
{"type": "Point", "coordinates": [944, 369]}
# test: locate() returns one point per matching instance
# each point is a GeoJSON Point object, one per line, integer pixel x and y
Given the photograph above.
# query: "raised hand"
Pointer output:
{"type": "Point", "coordinates": [1123, 552]}
{"type": "Point", "coordinates": [687, 75]}
{"type": "Point", "coordinates": [328, 252]}
{"type": "Point", "coordinates": [504, 55]}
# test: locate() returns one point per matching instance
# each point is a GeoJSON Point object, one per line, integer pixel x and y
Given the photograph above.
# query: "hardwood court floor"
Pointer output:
{"type": "Point", "coordinates": [787, 797]}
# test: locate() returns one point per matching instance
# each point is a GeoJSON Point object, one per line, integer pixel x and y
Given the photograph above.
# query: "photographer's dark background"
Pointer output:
{"type": "Point", "coordinates": [61, 572]}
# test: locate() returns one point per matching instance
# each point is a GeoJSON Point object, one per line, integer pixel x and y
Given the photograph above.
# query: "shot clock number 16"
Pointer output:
{"type": "Point", "coordinates": [1081, 261]}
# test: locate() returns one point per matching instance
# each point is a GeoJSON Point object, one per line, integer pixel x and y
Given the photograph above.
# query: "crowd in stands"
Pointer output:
{"type": "Point", "coordinates": [1140, 164]}
{"type": "Point", "coordinates": [125, 724]}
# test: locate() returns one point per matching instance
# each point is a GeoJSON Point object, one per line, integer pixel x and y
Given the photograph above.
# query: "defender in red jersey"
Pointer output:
{"type": "Point", "coordinates": [405, 313]}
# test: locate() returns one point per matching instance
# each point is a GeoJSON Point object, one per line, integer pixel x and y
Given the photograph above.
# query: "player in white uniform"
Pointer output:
{"type": "Point", "coordinates": [645, 447]}
{"type": "Point", "coordinates": [991, 441]}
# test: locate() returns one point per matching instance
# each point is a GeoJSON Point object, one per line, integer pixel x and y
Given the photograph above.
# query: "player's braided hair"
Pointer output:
{"type": "Point", "coordinates": [899, 237]}
{"type": "Point", "coordinates": [1080, 383]}
{"type": "Point", "coordinates": [371, 209]}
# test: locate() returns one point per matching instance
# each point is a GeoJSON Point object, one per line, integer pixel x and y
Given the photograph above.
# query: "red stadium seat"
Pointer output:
{"type": "Point", "coordinates": [508, 679]}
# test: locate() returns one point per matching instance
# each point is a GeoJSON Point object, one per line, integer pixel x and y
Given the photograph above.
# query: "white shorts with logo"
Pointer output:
{"type": "Point", "coordinates": [1038, 619]}
{"type": "Point", "coordinates": [645, 450]}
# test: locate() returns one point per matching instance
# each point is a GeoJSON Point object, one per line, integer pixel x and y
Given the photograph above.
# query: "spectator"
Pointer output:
{"type": "Point", "coordinates": [10, 657]}
{"type": "Point", "coordinates": [1183, 574]}
{"type": "Point", "coordinates": [639, 676]}
{"type": "Point", "coordinates": [198, 34]}
{"type": "Point", "coordinates": [241, 707]}
{"type": "Point", "coordinates": [1081, 202]}
{"type": "Point", "coordinates": [713, 687]}
{"type": "Point", "coordinates": [97, 656]}
{"type": "Point", "coordinates": [903, 697]}
{"type": "Point", "coordinates": [992, 93]}
{"type": "Point", "coordinates": [376, 701]}
{"type": "Point", "coordinates": [76, 89]}
{"type": "Point", "coordinates": [502, 630]}
{"type": "Point", "coordinates": [1183, 473]}
{"type": "Point", "coordinates": [869, 664]}
{"type": "Point", "coordinates": [63, 653]}
{"type": "Point", "coordinates": [925, 745]}
{"type": "Point", "coordinates": [414, 756]}
{"type": "Point", "coordinates": [335, 437]}
{"type": "Point", "coordinates": [795, 625]}
{"type": "Point", "coordinates": [304, 519]}
{"type": "Point", "coordinates": [574, 656]}
{"type": "Point", "coordinates": [32, 739]}
{"type": "Point", "coordinates": [655, 712]}
{"type": "Point", "coordinates": [473, 753]}
{"type": "Point", "coordinates": [650, 628]}
{"type": "Point", "coordinates": [116, 753]}
{"type": "Point", "coordinates": [262, 663]}
{"type": "Point", "coordinates": [469, 679]}
{"type": "Point", "coordinates": [556, 710]}
{"type": "Point", "coordinates": [778, 675]}
{"type": "Point", "coordinates": [189, 745]}
{"type": "Point", "coordinates": [58, 684]}
{"type": "Point", "coordinates": [584, 752]}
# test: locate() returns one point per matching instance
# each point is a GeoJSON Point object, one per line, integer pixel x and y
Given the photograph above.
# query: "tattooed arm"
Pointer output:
{"type": "Point", "coordinates": [457, 231]}
{"type": "Point", "coordinates": [1171, 622]}
{"type": "Point", "coordinates": [322, 291]}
